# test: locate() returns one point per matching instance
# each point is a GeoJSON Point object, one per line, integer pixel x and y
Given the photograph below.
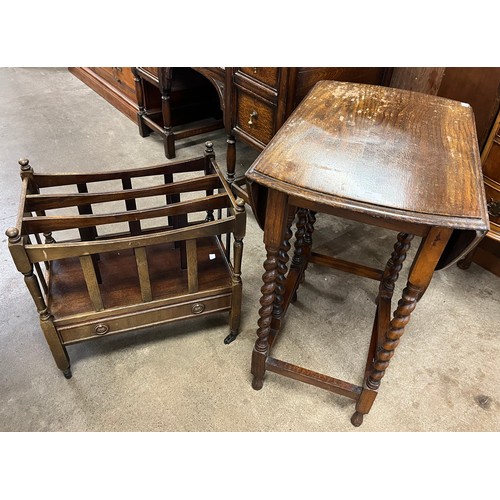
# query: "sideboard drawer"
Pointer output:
{"type": "Point", "coordinates": [255, 118]}
{"type": "Point", "coordinates": [268, 76]}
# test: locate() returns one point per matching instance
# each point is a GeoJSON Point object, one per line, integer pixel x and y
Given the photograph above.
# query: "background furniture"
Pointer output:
{"type": "Point", "coordinates": [176, 103]}
{"type": "Point", "coordinates": [375, 155]}
{"type": "Point", "coordinates": [118, 260]}
{"type": "Point", "coordinates": [480, 87]}
{"type": "Point", "coordinates": [115, 84]}
{"type": "Point", "coordinates": [487, 254]}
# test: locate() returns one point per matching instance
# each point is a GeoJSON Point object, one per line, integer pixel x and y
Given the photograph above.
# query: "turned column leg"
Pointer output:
{"type": "Point", "coordinates": [24, 265]}
{"type": "Point", "coordinates": [276, 217]}
{"type": "Point", "coordinates": [165, 86]}
{"type": "Point", "coordinates": [169, 138]}
{"type": "Point", "coordinates": [235, 315]}
{"type": "Point", "coordinates": [47, 323]}
{"type": "Point", "coordinates": [230, 158]}
{"type": "Point", "coordinates": [144, 130]}
{"type": "Point", "coordinates": [420, 275]}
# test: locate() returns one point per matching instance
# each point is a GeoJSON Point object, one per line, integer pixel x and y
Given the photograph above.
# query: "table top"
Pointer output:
{"type": "Point", "coordinates": [372, 148]}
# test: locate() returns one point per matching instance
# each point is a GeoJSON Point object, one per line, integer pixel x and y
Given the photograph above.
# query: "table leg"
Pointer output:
{"type": "Point", "coordinates": [300, 243]}
{"type": "Point", "coordinates": [420, 275]}
{"type": "Point", "coordinates": [274, 233]}
{"type": "Point", "coordinates": [282, 269]}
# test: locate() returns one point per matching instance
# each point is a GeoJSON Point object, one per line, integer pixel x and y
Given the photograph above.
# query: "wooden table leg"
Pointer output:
{"type": "Point", "coordinates": [282, 268]}
{"type": "Point", "coordinates": [274, 233]}
{"type": "Point", "coordinates": [420, 275]}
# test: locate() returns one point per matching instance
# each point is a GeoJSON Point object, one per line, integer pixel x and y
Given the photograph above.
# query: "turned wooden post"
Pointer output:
{"type": "Point", "coordinates": [144, 130]}
{"type": "Point", "coordinates": [165, 84]}
{"type": "Point", "coordinates": [236, 282]}
{"type": "Point", "coordinates": [24, 266]}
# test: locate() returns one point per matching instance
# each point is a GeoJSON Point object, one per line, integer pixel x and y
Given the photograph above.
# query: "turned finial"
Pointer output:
{"type": "Point", "coordinates": [209, 147]}
{"type": "Point", "coordinates": [25, 164]}
{"type": "Point", "coordinates": [240, 204]}
{"type": "Point", "coordinates": [13, 234]}
{"type": "Point", "coordinates": [26, 168]}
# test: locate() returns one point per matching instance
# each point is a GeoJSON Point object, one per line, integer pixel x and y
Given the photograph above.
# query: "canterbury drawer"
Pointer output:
{"type": "Point", "coordinates": [268, 76]}
{"type": "Point", "coordinates": [255, 117]}
{"type": "Point", "coordinates": [117, 324]}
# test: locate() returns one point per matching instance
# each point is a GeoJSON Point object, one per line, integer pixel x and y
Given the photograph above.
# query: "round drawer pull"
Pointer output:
{"type": "Point", "coordinates": [253, 115]}
{"type": "Point", "coordinates": [197, 308]}
{"type": "Point", "coordinates": [101, 329]}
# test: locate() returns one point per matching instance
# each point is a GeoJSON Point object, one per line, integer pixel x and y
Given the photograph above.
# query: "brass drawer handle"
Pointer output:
{"type": "Point", "coordinates": [197, 308]}
{"type": "Point", "coordinates": [253, 115]}
{"type": "Point", "coordinates": [101, 329]}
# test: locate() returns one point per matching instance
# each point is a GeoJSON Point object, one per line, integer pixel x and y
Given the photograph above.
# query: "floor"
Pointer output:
{"type": "Point", "coordinates": [182, 377]}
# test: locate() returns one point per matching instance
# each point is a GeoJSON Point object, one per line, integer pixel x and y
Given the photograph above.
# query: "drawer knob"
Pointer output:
{"type": "Point", "coordinates": [253, 115]}
{"type": "Point", "coordinates": [197, 308]}
{"type": "Point", "coordinates": [101, 329]}
{"type": "Point", "coordinates": [254, 71]}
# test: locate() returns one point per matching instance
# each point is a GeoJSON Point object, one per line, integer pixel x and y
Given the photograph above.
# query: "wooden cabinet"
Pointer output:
{"type": "Point", "coordinates": [260, 99]}
{"type": "Point", "coordinates": [176, 103]}
{"type": "Point", "coordinates": [487, 254]}
{"type": "Point", "coordinates": [115, 84]}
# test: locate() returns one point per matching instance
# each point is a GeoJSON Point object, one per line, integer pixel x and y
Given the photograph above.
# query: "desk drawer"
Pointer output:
{"type": "Point", "coordinates": [255, 118]}
{"type": "Point", "coordinates": [268, 76]}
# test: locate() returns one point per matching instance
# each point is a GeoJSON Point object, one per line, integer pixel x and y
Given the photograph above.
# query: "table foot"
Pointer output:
{"type": "Point", "coordinates": [357, 419]}
{"type": "Point", "coordinates": [67, 373]}
{"type": "Point", "coordinates": [257, 383]}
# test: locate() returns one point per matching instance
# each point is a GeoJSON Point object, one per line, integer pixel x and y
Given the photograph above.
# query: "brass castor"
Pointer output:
{"type": "Point", "coordinates": [230, 337]}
